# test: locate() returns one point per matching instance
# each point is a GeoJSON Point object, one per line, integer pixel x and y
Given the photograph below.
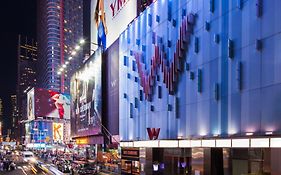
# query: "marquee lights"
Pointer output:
{"type": "Point", "coordinates": [208, 143]}
{"type": "Point", "coordinates": [240, 143]}
{"type": "Point", "coordinates": [260, 143]}
{"type": "Point", "coordinates": [204, 143]}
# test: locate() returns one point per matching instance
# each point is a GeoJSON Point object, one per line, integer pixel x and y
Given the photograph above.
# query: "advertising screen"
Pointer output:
{"type": "Point", "coordinates": [109, 18]}
{"type": "Point", "coordinates": [86, 95]}
{"type": "Point", "coordinates": [50, 104]}
{"type": "Point", "coordinates": [30, 105]}
{"type": "Point", "coordinates": [58, 132]}
{"type": "Point", "coordinates": [39, 131]}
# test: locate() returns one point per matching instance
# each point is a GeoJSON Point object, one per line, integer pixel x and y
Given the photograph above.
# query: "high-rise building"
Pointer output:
{"type": "Point", "coordinates": [27, 64]}
{"type": "Point", "coordinates": [14, 114]}
{"type": "Point", "coordinates": [60, 27]}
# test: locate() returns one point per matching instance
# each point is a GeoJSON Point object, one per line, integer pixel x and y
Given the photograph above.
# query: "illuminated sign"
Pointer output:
{"type": "Point", "coordinates": [47, 103]}
{"type": "Point", "coordinates": [85, 89]}
{"type": "Point", "coordinates": [30, 105]}
{"type": "Point", "coordinates": [81, 141]}
{"type": "Point", "coordinates": [130, 152]}
{"type": "Point", "coordinates": [153, 133]}
{"type": "Point", "coordinates": [116, 6]}
{"type": "Point", "coordinates": [37, 131]}
{"type": "Point", "coordinates": [66, 132]}
{"type": "Point", "coordinates": [159, 60]}
{"type": "Point", "coordinates": [58, 131]}
{"type": "Point", "coordinates": [109, 19]}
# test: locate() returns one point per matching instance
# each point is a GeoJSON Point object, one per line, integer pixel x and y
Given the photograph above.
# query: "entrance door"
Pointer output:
{"type": "Point", "coordinates": [126, 167]}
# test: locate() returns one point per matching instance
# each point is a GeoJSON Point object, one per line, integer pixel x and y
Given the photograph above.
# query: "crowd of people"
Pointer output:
{"type": "Point", "coordinates": [6, 164]}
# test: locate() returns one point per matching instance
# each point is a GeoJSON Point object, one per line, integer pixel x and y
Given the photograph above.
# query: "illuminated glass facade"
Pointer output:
{"type": "Point", "coordinates": [201, 74]}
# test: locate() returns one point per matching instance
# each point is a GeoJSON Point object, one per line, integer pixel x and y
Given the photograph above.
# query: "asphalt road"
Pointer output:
{"type": "Point", "coordinates": [24, 168]}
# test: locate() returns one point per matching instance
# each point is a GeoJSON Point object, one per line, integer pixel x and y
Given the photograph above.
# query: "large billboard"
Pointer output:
{"type": "Point", "coordinates": [30, 105]}
{"type": "Point", "coordinates": [58, 132]}
{"type": "Point", "coordinates": [86, 96]}
{"type": "Point", "coordinates": [47, 103]}
{"type": "Point", "coordinates": [109, 18]}
{"type": "Point", "coordinates": [38, 131]}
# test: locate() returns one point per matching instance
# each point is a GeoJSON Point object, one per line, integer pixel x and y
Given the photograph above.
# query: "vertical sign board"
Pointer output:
{"type": "Point", "coordinates": [86, 101]}
{"type": "Point", "coordinates": [58, 132]}
{"type": "Point", "coordinates": [30, 105]}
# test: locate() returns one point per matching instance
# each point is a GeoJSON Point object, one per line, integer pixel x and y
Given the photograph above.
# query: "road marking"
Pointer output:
{"type": "Point", "coordinates": [24, 167]}
{"type": "Point", "coordinates": [22, 170]}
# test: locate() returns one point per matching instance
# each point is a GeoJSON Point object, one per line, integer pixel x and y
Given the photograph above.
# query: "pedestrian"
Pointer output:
{"type": "Point", "coordinates": [1, 165]}
{"type": "Point", "coordinates": [5, 165]}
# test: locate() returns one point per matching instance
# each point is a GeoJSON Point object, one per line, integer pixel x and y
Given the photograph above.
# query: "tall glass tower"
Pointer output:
{"type": "Point", "coordinates": [60, 26]}
{"type": "Point", "coordinates": [27, 69]}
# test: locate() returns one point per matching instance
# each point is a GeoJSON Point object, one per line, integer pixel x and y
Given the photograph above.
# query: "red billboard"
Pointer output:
{"type": "Point", "coordinates": [48, 103]}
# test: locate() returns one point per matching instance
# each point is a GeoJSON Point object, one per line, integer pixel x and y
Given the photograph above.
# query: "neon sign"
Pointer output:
{"type": "Point", "coordinates": [159, 60]}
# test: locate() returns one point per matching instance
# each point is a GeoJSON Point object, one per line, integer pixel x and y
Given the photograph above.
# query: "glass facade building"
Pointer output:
{"type": "Point", "coordinates": [60, 27]}
{"type": "Point", "coordinates": [201, 77]}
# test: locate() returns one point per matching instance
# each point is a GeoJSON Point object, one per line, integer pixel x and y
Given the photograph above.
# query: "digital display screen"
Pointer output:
{"type": "Point", "coordinates": [48, 103]}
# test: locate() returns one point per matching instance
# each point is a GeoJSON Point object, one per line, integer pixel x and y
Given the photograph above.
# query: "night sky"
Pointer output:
{"type": "Point", "coordinates": [17, 17]}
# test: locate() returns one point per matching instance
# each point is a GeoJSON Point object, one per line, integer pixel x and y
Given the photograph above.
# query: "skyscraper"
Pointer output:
{"type": "Point", "coordinates": [27, 60]}
{"type": "Point", "coordinates": [60, 27]}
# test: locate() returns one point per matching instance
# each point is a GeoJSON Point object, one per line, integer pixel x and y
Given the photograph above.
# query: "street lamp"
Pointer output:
{"type": "Point", "coordinates": [82, 41]}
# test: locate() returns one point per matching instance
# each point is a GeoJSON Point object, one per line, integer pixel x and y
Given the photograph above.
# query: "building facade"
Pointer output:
{"type": "Point", "coordinates": [26, 73]}
{"type": "Point", "coordinates": [60, 27]}
{"type": "Point", "coordinates": [199, 89]}
{"type": "Point", "coordinates": [27, 69]}
{"type": "Point", "coordinates": [48, 123]}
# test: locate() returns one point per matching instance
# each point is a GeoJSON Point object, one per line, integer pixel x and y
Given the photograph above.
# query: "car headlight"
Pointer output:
{"type": "Point", "coordinates": [33, 159]}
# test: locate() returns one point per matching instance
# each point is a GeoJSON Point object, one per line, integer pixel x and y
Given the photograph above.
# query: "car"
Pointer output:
{"type": "Point", "coordinates": [28, 156]}
{"type": "Point", "coordinates": [40, 165]}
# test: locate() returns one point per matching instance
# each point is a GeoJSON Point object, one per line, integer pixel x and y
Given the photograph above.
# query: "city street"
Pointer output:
{"type": "Point", "coordinates": [25, 168]}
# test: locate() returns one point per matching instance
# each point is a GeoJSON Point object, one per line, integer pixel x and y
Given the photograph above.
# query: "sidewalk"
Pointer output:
{"type": "Point", "coordinates": [104, 172]}
{"type": "Point", "coordinates": [108, 173]}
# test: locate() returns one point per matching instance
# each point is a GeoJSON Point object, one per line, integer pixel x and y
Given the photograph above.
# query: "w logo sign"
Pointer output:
{"type": "Point", "coordinates": [153, 133]}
